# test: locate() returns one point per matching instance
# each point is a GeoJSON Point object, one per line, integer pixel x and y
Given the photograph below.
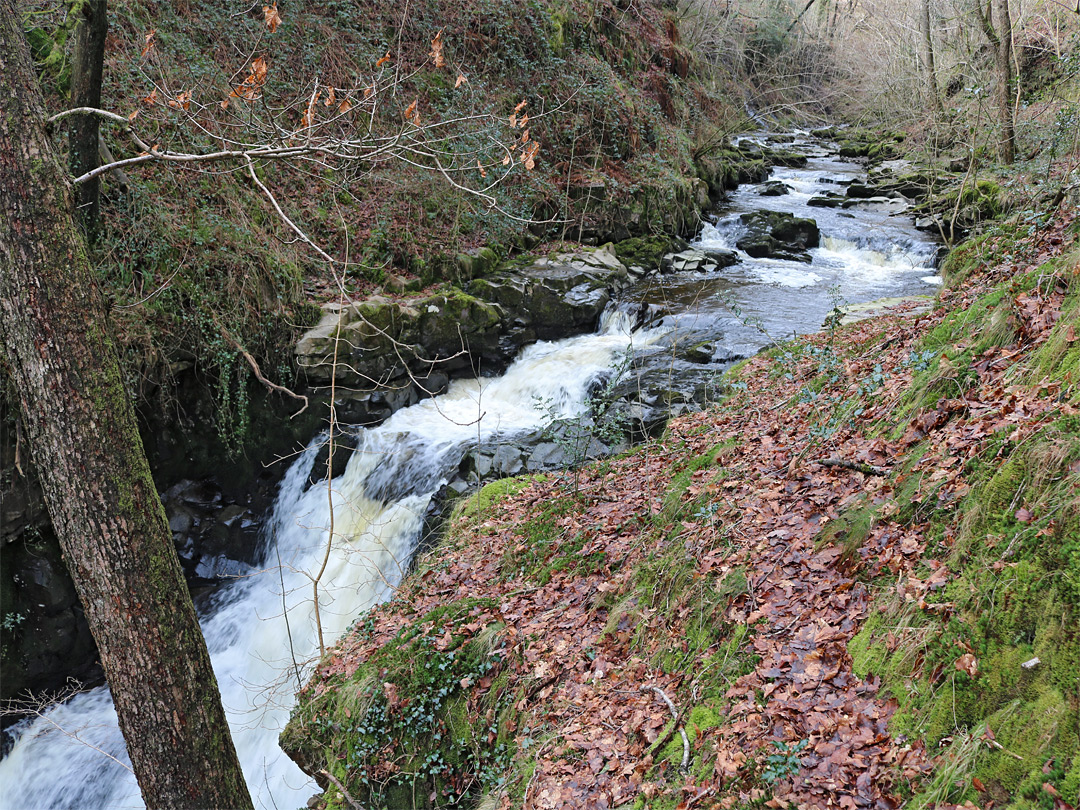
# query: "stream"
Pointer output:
{"type": "Point", "coordinates": [260, 628]}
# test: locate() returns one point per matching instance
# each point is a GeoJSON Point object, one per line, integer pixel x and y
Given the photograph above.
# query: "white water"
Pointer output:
{"type": "Point", "coordinates": [60, 761]}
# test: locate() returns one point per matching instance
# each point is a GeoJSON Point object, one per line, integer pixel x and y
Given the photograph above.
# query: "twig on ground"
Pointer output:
{"type": "Point", "coordinates": [341, 787]}
{"type": "Point", "coordinates": [857, 466]}
{"type": "Point", "coordinates": [675, 715]}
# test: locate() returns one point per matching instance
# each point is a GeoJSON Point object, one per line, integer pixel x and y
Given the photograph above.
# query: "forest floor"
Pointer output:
{"type": "Point", "coordinates": [825, 591]}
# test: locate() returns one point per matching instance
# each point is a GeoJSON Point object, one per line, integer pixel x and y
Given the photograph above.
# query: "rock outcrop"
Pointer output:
{"type": "Point", "coordinates": [391, 353]}
{"type": "Point", "coordinates": [778, 235]}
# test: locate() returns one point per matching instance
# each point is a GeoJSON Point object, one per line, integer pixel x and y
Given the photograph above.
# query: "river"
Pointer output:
{"type": "Point", "coordinates": [261, 628]}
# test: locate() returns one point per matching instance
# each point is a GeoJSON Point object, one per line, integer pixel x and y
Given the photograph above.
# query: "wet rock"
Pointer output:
{"type": "Point", "coordinates": [861, 191]}
{"type": "Point", "coordinates": [374, 336]}
{"type": "Point", "coordinates": [775, 188]}
{"type": "Point", "coordinates": [721, 257]}
{"type": "Point", "coordinates": [785, 157]}
{"type": "Point", "coordinates": [345, 441]}
{"type": "Point", "coordinates": [700, 352]}
{"type": "Point", "coordinates": [384, 346]}
{"type": "Point", "coordinates": [212, 533]}
{"type": "Point", "coordinates": [829, 199]}
{"type": "Point", "coordinates": [45, 637]}
{"type": "Point", "coordinates": [773, 234]}
{"type": "Point", "coordinates": [687, 261]}
{"type": "Point", "coordinates": [643, 251]}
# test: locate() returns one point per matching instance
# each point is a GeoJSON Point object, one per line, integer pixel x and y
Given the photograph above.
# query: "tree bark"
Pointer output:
{"type": "Point", "coordinates": [97, 483]}
{"type": "Point", "coordinates": [86, 76]}
{"type": "Point", "coordinates": [929, 66]}
{"type": "Point", "coordinates": [1003, 88]}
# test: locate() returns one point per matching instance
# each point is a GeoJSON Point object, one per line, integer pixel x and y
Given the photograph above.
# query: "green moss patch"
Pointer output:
{"type": "Point", "coordinates": [421, 723]}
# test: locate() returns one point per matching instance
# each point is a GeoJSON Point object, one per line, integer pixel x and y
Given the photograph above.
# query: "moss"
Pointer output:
{"type": "Point", "coordinates": [1058, 358]}
{"type": "Point", "coordinates": [547, 549]}
{"type": "Point", "coordinates": [423, 722]}
{"type": "Point", "coordinates": [483, 501]}
{"type": "Point", "coordinates": [643, 251]}
{"type": "Point", "coordinates": [1012, 599]}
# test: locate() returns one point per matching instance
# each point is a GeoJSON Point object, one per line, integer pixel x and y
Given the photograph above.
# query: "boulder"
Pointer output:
{"type": "Point", "coordinates": [643, 251]}
{"type": "Point", "coordinates": [774, 234]}
{"type": "Point", "coordinates": [387, 349]}
{"type": "Point", "coordinates": [829, 199]}
{"type": "Point", "coordinates": [721, 257]}
{"type": "Point", "coordinates": [687, 261]}
{"type": "Point", "coordinates": [785, 157]}
{"type": "Point", "coordinates": [775, 188]}
{"type": "Point", "coordinates": [476, 263]}
{"type": "Point", "coordinates": [861, 191]}
{"type": "Point", "coordinates": [373, 336]}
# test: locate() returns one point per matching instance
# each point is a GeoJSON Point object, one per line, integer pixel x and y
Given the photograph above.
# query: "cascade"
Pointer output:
{"type": "Point", "coordinates": [261, 629]}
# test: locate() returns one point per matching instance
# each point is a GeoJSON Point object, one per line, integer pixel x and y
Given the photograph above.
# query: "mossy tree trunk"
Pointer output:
{"type": "Point", "coordinates": [929, 63]}
{"type": "Point", "coordinates": [1003, 90]}
{"type": "Point", "coordinates": [87, 66]}
{"type": "Point", "coordinates": [996, 23]}
{"type": "Point", "coordinates": [86, 448]}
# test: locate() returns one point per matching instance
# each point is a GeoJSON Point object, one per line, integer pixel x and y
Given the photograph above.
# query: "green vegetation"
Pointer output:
{"type": "Point", "coordinates": [1010, 723]}
{"type": "Point", "coordinates": [401, 730]}
{"type": "Point", "coordinates": [201, 270]}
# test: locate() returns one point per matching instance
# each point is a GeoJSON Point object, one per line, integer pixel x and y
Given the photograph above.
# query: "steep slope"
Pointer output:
{"type": "Point", "coordinates": [830, 590]}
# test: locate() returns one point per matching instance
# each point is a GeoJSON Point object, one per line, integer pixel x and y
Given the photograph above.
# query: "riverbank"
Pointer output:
{"type": "Point", "coordinates": [851, 582]}
{"type": "Point", "coordinates": [215, 443]}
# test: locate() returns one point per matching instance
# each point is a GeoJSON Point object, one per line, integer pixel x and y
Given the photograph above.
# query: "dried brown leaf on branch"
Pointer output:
{"type": "Point", "coordinates": [249, 90]}
{"type": "Point", "coordinates": [272, 17]}
{"type": "Point", "coordinates": [182, 101]}
{"type": "Point", "coordinates": [514, 121]}
{"type": "Point", "coordinates": [149, 44]}
{"type": "Point", "coordinates": [437, 51]}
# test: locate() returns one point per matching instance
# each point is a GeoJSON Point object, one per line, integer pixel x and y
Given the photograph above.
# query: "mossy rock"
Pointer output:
{"type": "Point", "coordinates": [476, 263]}
{"type": "Point", "coordinates": [774, 234]}
{"type": "Point", "coordinates": [423, 722]}
{"type": "Point", "coordinates": [643, 251]}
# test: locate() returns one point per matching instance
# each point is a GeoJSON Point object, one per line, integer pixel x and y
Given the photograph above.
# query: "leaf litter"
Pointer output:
{"type": "Point", "coordinates": [582, 646]}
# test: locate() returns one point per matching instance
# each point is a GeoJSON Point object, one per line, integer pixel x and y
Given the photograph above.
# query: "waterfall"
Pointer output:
{"type": "Point", "coordinates": [261, 629]}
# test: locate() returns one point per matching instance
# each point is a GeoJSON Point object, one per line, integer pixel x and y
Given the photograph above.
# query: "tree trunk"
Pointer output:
{"type": "Point", "coordinates": [1003, 88]}
{"type": "Point", "coordinates": [97, 483]}
{"type": "Point", "coordinates": [86, 76]}
{"type": "Point", "coordinates": [929, 68]}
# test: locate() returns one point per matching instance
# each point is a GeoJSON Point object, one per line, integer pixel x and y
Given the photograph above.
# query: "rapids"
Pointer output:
{"type": "Point", "coordinates": [260, 628]}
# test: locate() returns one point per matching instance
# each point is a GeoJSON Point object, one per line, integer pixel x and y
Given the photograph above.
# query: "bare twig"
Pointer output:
{"type": "Point", "coordinates": [857, 466]}
{"type": "Point", "coordinates": [675, 715]}
{"type": "Point", "coordinates": [352, 802]}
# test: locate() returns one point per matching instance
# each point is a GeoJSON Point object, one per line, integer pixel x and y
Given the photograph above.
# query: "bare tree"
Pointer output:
{"type": "Point", "coordinates": [996, 23]}
{"type": "Point", "coordinates": [86, 76]}
{"type": "Point", "coordinates": [929, 66]}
